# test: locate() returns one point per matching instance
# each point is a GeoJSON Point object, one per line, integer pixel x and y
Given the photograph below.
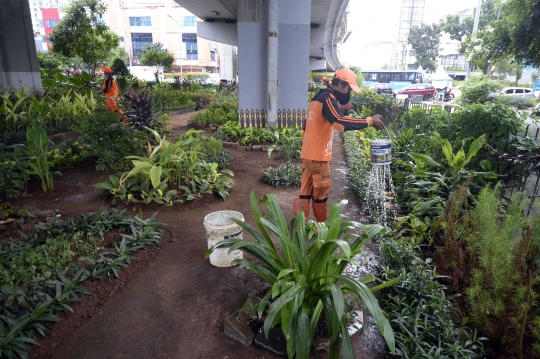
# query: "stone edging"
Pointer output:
{"type": "Point", "coordinates": [236, 146]}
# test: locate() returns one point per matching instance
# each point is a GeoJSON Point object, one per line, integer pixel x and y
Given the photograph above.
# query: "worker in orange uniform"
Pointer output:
{"type": "Point", "coordinates": [327, 83]}
{"type": "Point", "coordinates": [322, 118]}
{"type": "Point", "coordinates": [110, 90]}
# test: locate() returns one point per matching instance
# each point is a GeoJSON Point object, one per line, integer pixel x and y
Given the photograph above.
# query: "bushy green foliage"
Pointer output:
{"type": "Point", "coordinates": [14, 173]}
{"type": "Point", "coordinates": [217, 116]}
{"type": "Point", "coordinates": [201, 99]}
{"type": "Point", "coordinates": [165, 98]}
{"type": "Point", "coordinates": [419, 311]}
{"type": "Point", "coordinates": [43, 272]}
{"type": "Point", "coordinates": [170, 171]}
{"type": "Point", "coordinates": [283, 176]}
{"type": "Point", "coordinates": [478, 88]}
{"type": "Point", "coordinates": [230, 131]}
{"type": "Point", "coordinates": [110, 143]}
{"type": "Point", "coordinates": [503, 255]}
{"type": "Point", "coordinates": [119, 67]}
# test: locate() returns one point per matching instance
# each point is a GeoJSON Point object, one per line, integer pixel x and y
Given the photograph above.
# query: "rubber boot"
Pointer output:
{"type": "Point", "coordinates": [320, 211]}
{"type": "Point", "coordinates": [301, 204]}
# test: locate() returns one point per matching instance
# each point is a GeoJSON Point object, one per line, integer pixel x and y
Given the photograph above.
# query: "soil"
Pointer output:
{"type": "Point", "coordinates": [171, 302]}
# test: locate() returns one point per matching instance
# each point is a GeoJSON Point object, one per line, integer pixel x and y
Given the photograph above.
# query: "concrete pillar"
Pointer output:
{"type": "Point", "coordinates": [18, 58]}
{"type": "Point", "coordinates": [293, 60]}
{"type": "Point", "coordinates": [252, 62]}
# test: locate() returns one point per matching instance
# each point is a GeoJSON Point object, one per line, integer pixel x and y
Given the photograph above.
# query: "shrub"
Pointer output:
{"type": "Point", "coordinates": [109, 141]}
{"type": "Point", "coordinates": [418, 310]}
{"type": "Point", "coordinates": [14, 173]}
{"type": "Point", "coordinates": [503, 259]}
{"type": "Point", "coordinates": [283, 176]}
{"type": "Point", "coordinates": [216, 116]}
{"type": "Point", "coordinates": [201, 99]}
{"type": "Point", "coordinates": [165, 98]}
{"type": "Point", "coordinates": [478, 88]}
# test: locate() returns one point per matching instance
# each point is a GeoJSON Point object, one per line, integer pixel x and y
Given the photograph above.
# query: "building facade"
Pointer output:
{"type": "Point", "coordinates": [141, 22]}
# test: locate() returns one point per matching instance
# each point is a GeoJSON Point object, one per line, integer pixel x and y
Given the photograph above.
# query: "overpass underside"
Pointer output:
{"type": "Point", "coordinates": [278, 42]}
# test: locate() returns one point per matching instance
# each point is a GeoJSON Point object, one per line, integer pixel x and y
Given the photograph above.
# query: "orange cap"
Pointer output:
{"type": "Point", "coordinates": [107, 70]}
{"type": "Point", "coordinates": [323, 79]}
{"type": "Point", "coordinates": [348, 76]}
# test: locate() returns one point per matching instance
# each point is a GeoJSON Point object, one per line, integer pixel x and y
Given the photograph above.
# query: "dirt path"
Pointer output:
{"type": "Point", "coordinates": [175, 305]}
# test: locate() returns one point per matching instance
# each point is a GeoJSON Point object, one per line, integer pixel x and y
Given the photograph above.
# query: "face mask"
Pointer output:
{"type": "Point", "coordinates": [342, 98]}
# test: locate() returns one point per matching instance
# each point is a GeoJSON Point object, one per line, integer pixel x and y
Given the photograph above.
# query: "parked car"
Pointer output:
{"type": "Point", "coordinates": [512, 92]}
{"type": "Point", "coordinates": [382, 88]}
{"type": "Point", "coordinates": [424, 90]}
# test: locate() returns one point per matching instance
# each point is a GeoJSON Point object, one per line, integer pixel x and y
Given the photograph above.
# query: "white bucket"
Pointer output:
{"type": "Point", "coordinates": [219, 227]}
{"type": "Point", "coordinates": [381, 152]}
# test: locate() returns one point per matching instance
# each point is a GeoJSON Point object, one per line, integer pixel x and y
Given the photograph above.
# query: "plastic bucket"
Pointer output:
{"type": "Point", "coordinates": [381, 152]}
{"type": "Point", "coordinates": [219, 227]}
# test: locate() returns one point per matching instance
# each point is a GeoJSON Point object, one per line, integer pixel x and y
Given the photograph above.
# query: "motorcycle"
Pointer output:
{"type": "Point", "coordinates": [536, 110]}
{"type": "Point", "coordinates": [444, 94]}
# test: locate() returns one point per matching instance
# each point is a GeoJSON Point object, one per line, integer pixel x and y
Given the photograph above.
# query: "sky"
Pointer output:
{"type": "Point", "coordinates": [377, 21]}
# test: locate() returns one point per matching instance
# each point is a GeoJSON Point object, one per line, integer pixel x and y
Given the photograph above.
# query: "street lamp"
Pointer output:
{"type": "Point", "coordinates": [178, 49]}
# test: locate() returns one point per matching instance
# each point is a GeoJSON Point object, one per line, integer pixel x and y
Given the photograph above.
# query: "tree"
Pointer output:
{"type": "Point", "coordinates": [156, 56]}
{"type": "Point", "coordinates": [425, 40]}
{"type": "Point", "coordinates": [83, 33]}
{"type": "Point", "coordinates": [118, 53]}
{"type": "Point", "coordinates": [386, 66]}
{"type": "Point", "coordinates": [515, 34]}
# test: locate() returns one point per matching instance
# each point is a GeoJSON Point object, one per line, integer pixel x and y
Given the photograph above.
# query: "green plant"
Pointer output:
{"type": "Point", "coordinates": [504, 255]}
{"type": "Point", "coordinates": [305, 273]}
{"type": "Point", "coordinates": [217, 116]}
{"type": "Point", "coordinates": [169, 165]}
{"type": "Point", "coordinates": [110, 143]}
{"type": "Point", "coordinates": [477, 89]}
{"type": "Point", "coordinates": [418, 309]}
{"type": "Point", "coordinates": [37, 146]}
{"type": "Point", "coordinates": [201, 99]}
{"type": "Point", "coordinates": [43, 272]}
{"type": "Point", "coordinates": [13, 108]}
{"type": "Point", "coordinates": [229, 131]}
{"type": "Point", "coordinates": [283, 176]}
{"type": "Point", "coordinates": [289, 141]}
{"type": "Point", "coordinates": [14, 173]}
{"type": "Point", "coordinates": [166, 98]}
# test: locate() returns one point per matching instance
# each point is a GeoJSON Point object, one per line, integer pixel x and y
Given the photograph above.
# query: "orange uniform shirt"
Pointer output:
{"type": "Point", "coordinates": [323, 117]}
{"type": "Point", "coordinates": [109, 87]}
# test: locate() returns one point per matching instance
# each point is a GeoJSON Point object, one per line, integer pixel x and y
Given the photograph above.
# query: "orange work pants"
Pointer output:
{"type": "Point", "coordinates": [316, 180]}
{"type": "Point", "coordinates": [110, 105]}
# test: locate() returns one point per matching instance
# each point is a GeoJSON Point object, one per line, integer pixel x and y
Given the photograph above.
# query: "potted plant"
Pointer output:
{"type": "Point", "coordinates": [306, 275]}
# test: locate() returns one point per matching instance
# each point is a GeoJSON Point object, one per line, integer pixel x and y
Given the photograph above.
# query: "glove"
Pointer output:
{"type": "Point", "coordinates": [377, 123]}
{"type": "Point", "coordinates": [112, 98]}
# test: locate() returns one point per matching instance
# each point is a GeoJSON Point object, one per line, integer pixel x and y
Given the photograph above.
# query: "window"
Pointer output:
{"type": "Point", "coordinates": [188, 20]}
{"type": "Point", "coordinates": [373, 77]}
{"type": "Point", "coordinates": [138, 41]}
{"type": "Point", "coordinates": [509, 91]}
{"type": "Point", "coordinates": [51, 23]}
{"type": "Point", "coordinates": [140, 21]}
{"type": "Point", "coordinates": [519, 91]}
{"type": "Point", "coordinates": [212, 56]}
{"type": "Point", "coordinates": [412, 52]}
{"type": "Point", "coordinates": [527, 91]}
{"type": "Point", "coordinates": [192, 50]}
{"type": "Point", "coordinates": [40, 23]}
{"type": "Point", "coordinates": [399, 77]}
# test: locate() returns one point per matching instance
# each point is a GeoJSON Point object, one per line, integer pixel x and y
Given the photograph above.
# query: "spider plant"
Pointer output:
{"type": "Point", "coordinates": [306, 275]}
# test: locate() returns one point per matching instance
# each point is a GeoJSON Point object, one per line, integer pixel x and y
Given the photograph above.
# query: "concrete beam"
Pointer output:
{"type": "Point", "coordinates": [221, 32]}
{"type": "Point", "coordinates": [18, 58]}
